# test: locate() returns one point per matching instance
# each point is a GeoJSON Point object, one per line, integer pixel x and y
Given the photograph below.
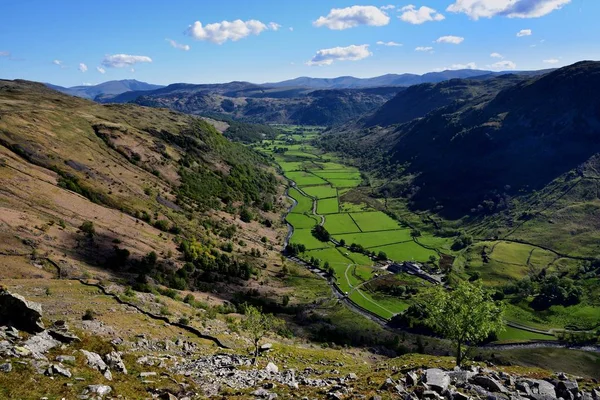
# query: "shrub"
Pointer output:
{"type": "Point", "coordinates": [89, 315]}
{"type": "Point", "coordinates": [88, 228]}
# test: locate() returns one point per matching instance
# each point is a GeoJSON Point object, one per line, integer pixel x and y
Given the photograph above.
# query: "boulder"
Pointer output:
{"type": "Point", "coordinates": [6, 367]}
{"type": "Point", "coordinates": [542, 387]}
{"type": "Point", "coordinates": [95, 361]}
{"type": "Point", "coordinates": [271, 368]}
{"type": "Point", "coordinates": [459, 396]}
{"type": "Point", "coordinates": [167, 396]}
{"type": "Point", "coordinates": [490, 384]}
{"type": "Point", "coordinates": [567, 389]}
{"type": "Point", "coordinates": [352, 376]}
{"type": "Point", "coordinates": [22, 314]}
{"type": "Point", "coordinates": [437, 379]}
{"type": "Point", "coordinates": [411, 379]}
{"type": "Point", "coordinates": [58, 369]}
{"type": "Point", "coordinates": [265, 347]}
{"type": "Point", "coordinates": [63, 358]}
{"type": "Point", "coordinates": [39, 344]}
{"type": "Point", "coordinates": [460, 377]}
{"type": "Point", "coordinates": [114, 361]}
{"type": "Point", "coordinates": [100, 390]}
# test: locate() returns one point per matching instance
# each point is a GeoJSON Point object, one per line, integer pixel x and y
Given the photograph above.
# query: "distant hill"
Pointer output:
{"type": "Point", "coordinates": [347, 82]}
{"type": "Point", "coordinates": [105, 89]}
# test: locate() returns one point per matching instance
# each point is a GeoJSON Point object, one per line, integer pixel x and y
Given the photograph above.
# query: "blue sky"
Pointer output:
{"type": "Point", "coordinates": [275, 40]}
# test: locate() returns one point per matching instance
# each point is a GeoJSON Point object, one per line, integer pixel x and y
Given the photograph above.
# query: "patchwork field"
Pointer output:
{"type": "Point", "coordinates": [328, 206]}
{"type": "Point", "coordinates": [304, 205]}
{"type": "Point", "coordinates": [300, 221]}
{"type": "Point", "coordinates": [320, 192]}
{"type": "Point", "coordinates": [340, 223]}
{"type": "Point", "coordinates": [374, 221]}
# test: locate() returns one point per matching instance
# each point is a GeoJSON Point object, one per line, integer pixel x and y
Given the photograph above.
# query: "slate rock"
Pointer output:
{"type": "Point", "coordinates": [40, 343]}
{"type": "Point", "coordinates": [22, 314]}
{"type": "Point", "coordinates": [567, 386]}
{"type": "Point", "coordinates": [437, 379]}
{"type": "Point", "coordinates": [58, 369]}
{"type": "Point", "coordinates": [265, 347]}
{"type": "Point", "coordinates": [6, 367]}
{"type": "Point", "coordinates": [411, 379]}
{"type": "Point", "coordinates": [271, 368]}
{"type": "Point", "coordinates": [100, 390]}
{"type": "Point", "coordinates": [63, 358]}
{"type": "Point", "coordinates": [114, 361]}
{"type": "Point", "coordinates": [490, 384]}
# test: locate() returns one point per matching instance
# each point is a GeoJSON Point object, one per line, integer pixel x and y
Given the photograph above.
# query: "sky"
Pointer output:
{"type": "Point", "coordinates": [69, 43]}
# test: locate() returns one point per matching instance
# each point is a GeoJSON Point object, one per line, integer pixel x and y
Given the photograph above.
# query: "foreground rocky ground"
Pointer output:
{"type": "Point", "coordinates": [53, 362]}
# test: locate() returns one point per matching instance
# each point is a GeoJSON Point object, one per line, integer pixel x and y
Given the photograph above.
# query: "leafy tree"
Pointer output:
{"type": "Point", "coordinates": [246, 215]}
{"type": "Point", "coordinates": [382, 256]}
{"type": "Point", "coordinates": [321, 233]}
{"type": "Point", "coordinates": [462, 241]}
{"type": "Point", "coordinates": [465, 315]}
{"type": "Point", "coordinates": [257, 325]}
{"type": "Point", "coordinates": [415, 233]}
{"type": "Point", "coordinates": [342, 243]}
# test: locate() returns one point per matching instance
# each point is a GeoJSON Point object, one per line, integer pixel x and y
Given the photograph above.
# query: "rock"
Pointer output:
{"type": "Point", "coordinates": [6, 367]}
{"type": "Point", "coordinates": [437, 379]}
{"type": "Point", "coordinates": [352, 376]}
{"type": "Point", "coordinates": [13, 333]}
{"type": "Point", "coordinates": [20, 313]}
{"type": "Point", "coordinates": [376, 397]}
{"type": "Point", "coordinates": [542, 387]}
{"type": "Point", "coordinates": [264, 394]}
{"type": "Point", "coordinates": [459, 396]}
{"type": "Point", "coordinates": [523, 387]}
{"type": "Point", "coordinates": [460, 377]}
{"type": "Point", "coordinates": [430, 394]}
{"type": "Point", "coordinates": [40, 344]}
{"type": "Point", "coordinates": [271, 368]}
{"type": "Point", "coordinates": [563, 388]}
{"type": "Point", "coordinates": [95, 361]}
{"type": "Point", "coordinates": [147, 374]}
{"type": "Point", "coordinates": [265, 347]}
{"type": "Point", "coordinates": [114, 361]}
{"type": "Point", "coordinates": [596, 394]}
{"type": "Point", "coordinates": [64, 336]}
{"type": "Point", "coordinates": [63, 358]}
{"type": "Point", "coordinates": [490, 384]}
{"type": "Point", "coordinates": [167, 396]}
{"type": "Point", "coordinates": [57, 369]}
{"type": "Point", "coordinates": [100, 390]}
{"type": "Point", "coordinates": [411, 379]}
{"type": "Point", "coordinates": [22, 351]}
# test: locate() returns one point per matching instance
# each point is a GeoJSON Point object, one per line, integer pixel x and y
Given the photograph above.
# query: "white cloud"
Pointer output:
{"type": "Point", "coordinates": [389, 44]}
{"type": "Point", "coordinates": [470, 65]}
{"type": "Point", "coordinates": [291, 28]}
{"type": "Point", "coordinates": [274, 26]}
{"type": "Point", "coordinates": [388, 7]}
{"type": "Point", "coordinates": [422, 48]}
{"type": "Point", "coordinates": [132, 70]}
{"type": "Point", "coordinates": [503, 65]}
{"type": "Point", "coordinates": [87, 84]}
{"type": "Point", "coordinates": [497, 55]}
{"type": "Point", "coordinates": [83, 67]}
{"type": "Point", "coordinates": [524, 32]}
{"type": "Point", "coordinates": [57, 62]}
{"type": "Point", "coordinates": [351, 53]}
{"type": "Point", "coordinates": [124, 60]}
{"type": "Point", "coordinates": [450, 39]}
{"type": "Point", "coordinates": [476, 9]}
{"type": "Point", "coordinates": [551, 61]}
{"type": "Point", "coordinates": [180, 46]}
{"type": "Point", "coordinates": [220, 32]}
{"type": "Point", "coordinates": [100, 69]}
{"type": "Point", "coordinates": [350, 17]}
{"type": "Point", "coordinates": [4, 53]}
{"type": "Point", "coordinates": [417, 16]}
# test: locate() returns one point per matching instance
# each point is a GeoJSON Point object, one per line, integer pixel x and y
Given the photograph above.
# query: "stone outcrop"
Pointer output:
{"type": "Point", "coordinates": [17, 312]}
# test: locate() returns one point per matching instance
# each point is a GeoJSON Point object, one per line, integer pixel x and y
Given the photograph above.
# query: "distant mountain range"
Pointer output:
{"type": "Point", "coordinates": [313, 101]}
{"type": "Point", "coordinates": [105, 89]}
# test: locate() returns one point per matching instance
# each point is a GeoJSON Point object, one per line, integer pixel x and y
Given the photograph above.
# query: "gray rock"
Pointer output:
{"type": "Point", "coordinates": [376, 397]}
{"type": "Point", "coordinates": [39, 344]}
{"type": "Point", "coordinates": [388, 384]}
{"type": "Point", "coordinates": [437, 379]}
{"type": "Point", "coordinates": [430, 394]}
{"type": "Point", "coordinates": [100, 390]}
{"type": "Point", "coordinates": [490, 384]}
{"type": "Point", "coordinates": [271, 368]}
{"type": "Point", "coordinates": [167, 396]}
{"type": "Point", "coordinates": [95, 361]}
{"type": "Point", "coordinates": [13, 333]}
{"type": "Point", "coordinates": [564, 387]}
{"type": "Point", "coordinates": [411, 379]}
{"type": "Point", "coordinates": [264, 394]}
{"type": "Point", "coordinates": [352, 376]}
{"type": "Point", "coordinates": [459, 396]}
{"type": "Point", "coordinates": [114, 361]}
{"type": "Point", "coordinates": [542, 387]}
{"type": "Point", "coordinates": [265, 347]}
{"type": "Point", "coordinates": [523, 387]}
{"type": "Point", "coordinates": [147, 374]}
{"type": "Point", "coordinates": [58, 369]}
{"type": "Point", "coordinates": [596, 394]}
{"type": "Point", "coordinates": [460, 377]}
{"type": "Point", "coordinates": [537, 396]}
{"type": "Point", "coordinates": [63, 336]}
{"type": "Point", "coordinates": [20, 313]}
{"type": "Point", "coordinates": [6, 367]}
{"type": "Point", "coordinates": [63, 358]}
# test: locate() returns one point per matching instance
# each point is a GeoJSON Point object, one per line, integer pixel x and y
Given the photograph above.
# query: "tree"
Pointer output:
{"type": "Point", "coordinates": [382, 256]}
{"type": "Point", "coordinates": [465, 315]}
{"type": "Point", "coordinates": [88, 228]}
{"type": "Point", "coordinates": [246, 215]}
{"type": "Point", "coordinates": [257, 324]}
{"type": "Point", "coordinates": [321, 233]}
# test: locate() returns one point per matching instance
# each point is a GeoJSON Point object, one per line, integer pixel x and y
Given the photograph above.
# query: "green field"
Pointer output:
{"type": "Point", "coordinates": [374, 221]}
{"type": "Point", "coordinates": [327, 206]}
{"type": "Point", "coordinates": [305, 237]}
{"type": "Point", "coordinates": [374, 239]}
{"type": "Point", "coordinates": [349, 174]}
{"type": "Point", "coordinates": [406, 252]}
{"type": "Point", "coordinates": [304, 178]}
{"type": "Point", "coordinates": [351, 207]}
{"type": "Point", "coordinates": [344, 183]}
{"type": "Point", "coordinates": [299, 221]}
{"type": "Point", "coordinates": [340, 223]}
{"type": "Point", "coordinates": [320, 192]}
{"type": "Point", "coordinates": [304, 205]}
{"type": "Point", "coordinates": [519, 335]}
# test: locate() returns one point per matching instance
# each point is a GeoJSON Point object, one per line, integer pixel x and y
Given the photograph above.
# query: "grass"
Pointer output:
{"type": "Point", "coordinates": [519, 335]}
{"type": "Point", "coordinates": [327, 206]}
{"type": "Point", "coordinates": [304, 178]}
{"type": "Point", "coordinates": [351, 207]}
{"type": "Point", "coordinates": [305, 237]}
{"type": "Point", "coordinates": [374, 221]}
{"type": "Point", "coordinates": [304, 205]}
{"type": "Point", "coordinates": [373, 239]}
{"type": "Point", "coordinates": [299, 221]}
{"type": "Point", "coordinates": [344, 183]}
{"type": "Point", "coordinates": [340, 223]}
{"type": "Point", "coordinates": [406, 252]}
{"type": "Point", "coordinates": [579, 316]}
{"type": "Point", "coordinates": [351, 173]}
{"type": "Point", "coordinates": [320, 192]}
